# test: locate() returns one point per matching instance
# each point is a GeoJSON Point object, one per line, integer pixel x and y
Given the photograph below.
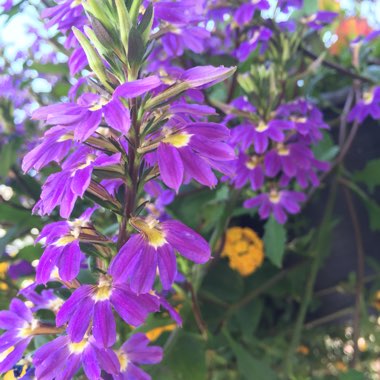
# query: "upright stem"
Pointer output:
{"type": "Point", "coordinates": [318, 248]}
{"type": "Point", "coordinates": [133, 174]}
{"type": "Point", "coordinates": [359, 276]}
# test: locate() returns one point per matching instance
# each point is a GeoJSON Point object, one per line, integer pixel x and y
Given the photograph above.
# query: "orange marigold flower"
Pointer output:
{"type": "Point", "coordinates": [244, 249]}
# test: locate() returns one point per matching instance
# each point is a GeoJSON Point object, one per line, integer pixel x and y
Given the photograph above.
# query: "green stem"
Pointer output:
{"type": "Point", "coordinates": [320, 247]}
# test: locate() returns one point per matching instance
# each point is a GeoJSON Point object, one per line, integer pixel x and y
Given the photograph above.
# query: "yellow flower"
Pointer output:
{"type": "Point", "coordinates": [244, 249]}
{"type": "Point", "coordinates": [17, 373]}
{"type": "Point", "coordinates": [329, 5]}
{"type": "Point", "coordinates": [3, 272]}
{"type": "Point", "coordinates": [341, 367]}
{"type": "Point", "coordinates": [303, 350]}
{"type": "Point", "coordinates": [155, 333]}
{"type": "Point", "coordinates": [376, 300]}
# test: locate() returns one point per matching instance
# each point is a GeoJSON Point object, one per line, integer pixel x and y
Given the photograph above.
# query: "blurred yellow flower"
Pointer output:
{"type": "Point", "coordinates": [329, 5]}
{"type": "Point", "coordinates": [244, 249]}
{"type": "Point", "coordinates": [376, 300]}
{"type": "Point", "coordinates": [303, 350]}
{"type": "Point", "coordinates": [3, 272]}
{"type": "Point", "coordinates": [14, 374]}
{"type": "Point", "coordinates": [155, 333]}
{"type": "Point", "coordinates": [341, 367]}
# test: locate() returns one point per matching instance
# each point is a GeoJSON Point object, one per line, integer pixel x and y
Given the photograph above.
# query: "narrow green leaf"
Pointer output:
{"type": "Point", "coordinates": [274, 241]}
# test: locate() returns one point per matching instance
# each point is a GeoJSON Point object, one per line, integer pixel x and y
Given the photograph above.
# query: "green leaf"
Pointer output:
{"type": "Point", "coordinates": [369, 175]}
{"type": "Point", "coordinates": [136, 48]}
{"type": "Point", "coordinates": [326, 150]}
{"type": "Point", "coordinates": [8, 155]}
{"type": "Point", "coordinates": [50, 68]}
{"type": "Point", "coordinates": [374, 214]}
{"type": "Point", "coordinates": [248, 366]}
{"type": "Point", "coordinates": [186, 361]}
{"type": "Point", "coordinates": [274, 241]}
{"type": "Point", "coordinates": [352, 375]}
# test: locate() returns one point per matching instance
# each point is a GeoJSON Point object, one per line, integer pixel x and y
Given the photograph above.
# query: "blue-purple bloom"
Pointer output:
{"type": "Point", "coordinates": [19, 326]}
{"type": "Point", "coordinates": [62, 358]}
{"type": "Point", "coordinates": [154, 247]}
{"type": "Point", "coordinates": [368, 106]}
{"type": "Point", "coordinates": [92, 305]}
{"type": "Point", "coordinates": [134, 352]}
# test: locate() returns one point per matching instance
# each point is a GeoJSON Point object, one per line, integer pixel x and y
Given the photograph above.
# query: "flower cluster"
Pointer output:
{"type": "Point", "coordinates": [129, 132]}
{"type": "Point", "coordinates": [244, 249]}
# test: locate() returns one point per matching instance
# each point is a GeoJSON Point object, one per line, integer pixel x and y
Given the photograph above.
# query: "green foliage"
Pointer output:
{"type": "Point", "coordinates": [370, 175]}
{"type": "Point", "coordinates": [274, 241]}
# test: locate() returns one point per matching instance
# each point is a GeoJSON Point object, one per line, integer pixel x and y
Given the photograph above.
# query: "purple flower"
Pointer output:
{"type": "Point", "coordinates": [320, 19]}
{"type": "Point", "coordinates": [46, 299]}
{"type": "Point", "coordinates": [368, 106]}
{"type": "Point", "coordinates": [136, 351]}
{"type": "Point", "coordinates": [91, 305]}
{"type": "Point", "coordinates": [255, 37]}
{"type": "Point", "coordinates": [154, 247]}
{"type": "Point", "coordinates": [288, 159]}
{"type": "Point", "coordinates": [258, 135]}
{"type": "Point", "coordinates": [200, 77]}
{"type": "Point", "coordinates": [286, 4]}
{"type": "Point", "coordinates": [55, 145]}
{"type": "Point", "coordinates": [64, 188]}
{"type": "Point", "coordinates": [62, 358]}
{"type": "Point", "coordinates": [85, 116]}
{"type": "Point", "coordinates": [191, 151]}
{"type": "Point", "coordinates": [61, 240]}
{"type": "Point", "coordinates": [244, 14]}
{"type": "Point", "coordinates": [249, 169]}
{"type": "Point", "coordinates": [20, 268]}
{"type": "Point", "coordinates": [19, 325]}
{"type": "Point", "coordinates": [190, 37]}
{"type": "Point", "coordinates": [278, 203]}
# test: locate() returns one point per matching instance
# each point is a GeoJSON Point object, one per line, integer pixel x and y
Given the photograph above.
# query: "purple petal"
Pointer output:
{"type": "Point", "coordinates": [80, 320]}
{"type": "Point", "coordinates": [69, 262]}
{"type": "Point", "coordinates": [47, 263]}
{"type": "Point", "coordinates": [104, 328]}
{"type": "Point", "coordinates": [171, 166]}
{"type": "Point", "coordinates": [186, 241]}
{"type": "Point", "coordinates": [90, 363]}
{"type": "Point", "coordinates": [167, 265]}
{"type": "Point", "coordinates": [117, 116]}
{"type": "Point", "coordinates": [137, 87]}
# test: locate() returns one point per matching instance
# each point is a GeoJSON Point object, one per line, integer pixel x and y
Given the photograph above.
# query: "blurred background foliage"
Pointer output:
{"type": "Point", "coordinates": [296, 302]}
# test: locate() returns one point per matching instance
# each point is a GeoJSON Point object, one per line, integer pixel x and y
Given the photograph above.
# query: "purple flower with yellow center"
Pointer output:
{"type": "Point", "coordinates": [258, 135]}
{"type": "Point", "coordinates": [46, 299]}
{"type": "Point", "coordinates": [244, 14]}
{"type": "Point", "coordinates": [249, 169]}
{"type": "Point", "coordinates": [288, 159]}
{"type": "Point", "coordinates": [134, 352]}
{"type": "Point", "coordinates": [304, 176]}
{"type": "Point", "coordinates": [64, 188]}
{"type": "Point", "coordinates": [303, 118]}
{"type": "Point", "coordinates": [178, 39]}
{"type": "Point", "coordinates": [92, 305]}
{"type": "Point", "coordinates": [62, 358]}
{"type": "Point", "coordinates": [20, 326]}
{"type": "Point", "coordinates": [191, 152]}
{"type": "Point", "coordinates": [277, 202]}
{"type": "Point", "coordinates": [368, 106]}
{"type": "Point", "coordinates": [85, 116]}
{"type": "Point", "coordinates": [62, 251]}
{"type": "Point", "coordinates": [257, 36]}
{"type": "Point", "coordinates": [154, 247]}
{"type": "Point", "coordinates": [320, 19]}
{"type": "Point", "coordinates": [55, 145]}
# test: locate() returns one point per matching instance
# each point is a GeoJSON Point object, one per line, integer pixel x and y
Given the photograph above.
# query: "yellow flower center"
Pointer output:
{"type": "Point", "coordinates": [65, 137]}
{"type": "Point", "coordinates": [262, 127]}
{"type": "Point", "coordinates": [368, 97]}
{"type": "Point", "coordinates": [28, 329]}
{"type": "Point", "coordinates": [274, 196]}
{"type": "Point", "coordinates": [97, 106]}
{"type": "Point", "coordinates": [89, 160]}
{"type": "Point", "coordinates": [104, 289]}
{"type": "Point", "coordinates": [178, 140]}
{"type": "Point", "coordinates": [123, 360]}
{"type": "Point", "coordinates": [252, 162]}
{"type": "Point", "coordinates": [78, 348]}
{"type": "Point", "coordinates": [283, 150]}
{"type": "Point", "coordinates": [5, 353]}
{"type": "Point", "coordinates": [298, 119]}
{"type": "Point", "coordinates": [65, 240]}
{"type": "Point", "coordinates": [151, 230]}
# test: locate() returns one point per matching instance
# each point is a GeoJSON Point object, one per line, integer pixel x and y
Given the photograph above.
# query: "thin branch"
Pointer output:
{"type": "Point", "coordinates": [360, 273]}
